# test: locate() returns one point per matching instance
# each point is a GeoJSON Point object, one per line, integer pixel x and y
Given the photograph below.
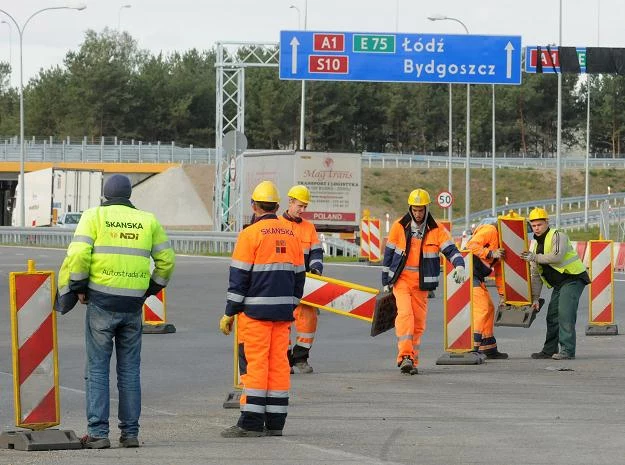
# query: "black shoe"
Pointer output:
{"type": "Point", "coordinates": [406, 365]}
{"type": "Point", "coordinates": [238, 432]}
{"type": "Point", "coordinates": [497, 355]}
{"type": "Point", "coordinates": [541, 354]}
{"type": "Point", "coordinates": [128, 442]}
{"type": "Point", "coordinates": [89, 442]}
{"type": "Point", "coordinates": [273, 432]}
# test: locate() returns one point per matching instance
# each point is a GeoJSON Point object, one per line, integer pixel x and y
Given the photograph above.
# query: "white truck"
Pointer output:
{"type": "Point", "coordinates": [51, 192]}
{"type": "Point", "coordinates": [334, 181]}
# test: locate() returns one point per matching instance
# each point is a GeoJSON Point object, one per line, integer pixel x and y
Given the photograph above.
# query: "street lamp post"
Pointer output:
{"type": "Point", "coordinates": [119, 15]}
{"type": "Point", "coordinates": [467, 191]}
{"type": "Point", "coordinates": [494, 168]}
{"type": "Point", "coordinates": [586, 168]}
{"type": "Point", "coordinates": [10, 44]}
{"type": "Point", "coordinates": [20, 31]}
{"type": "Point", "coordinates": [559, 132]}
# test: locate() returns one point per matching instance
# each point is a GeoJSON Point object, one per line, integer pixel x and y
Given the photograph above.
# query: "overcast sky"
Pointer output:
{"type": "Point", "coordinates": [168, 25]}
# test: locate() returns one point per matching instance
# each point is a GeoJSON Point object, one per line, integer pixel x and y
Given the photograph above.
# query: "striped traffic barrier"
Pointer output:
{"type": "Point", "coordinates": [375, 240]}
{"type": "Point", "coordinates": [340, 297]}
{"type": "Point", "coordinates": [516, 273]}
{"type": "Point", "coordinates": [155, 315]}
{"type": "Point", "coordinates": [35, 364]}
{"type": "Point", "coordinates": [364, 238]}
{"type": "Point", "coordinates": [601, 295]}
{"type": "Point", "coordinates": [458, 317]}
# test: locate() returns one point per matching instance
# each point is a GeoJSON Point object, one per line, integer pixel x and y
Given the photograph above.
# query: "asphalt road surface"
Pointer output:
{"type": "Point", "coordinates": [356, 408]}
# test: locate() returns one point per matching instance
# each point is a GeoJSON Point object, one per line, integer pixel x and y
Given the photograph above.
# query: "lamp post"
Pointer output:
{"type": "Point", "coordinates": [119, 15]}
{"type": "Point", "coordinates": [467, 191]}
{"type": "Point", "coordinates": [299, 16]}
{"type": "Point", "coordinates": [10, 44]}
{"type": "Point", "coordinates": [20, 31]}
{"type": "Point", "coordinates": [494, 172]}
{"type": "Point", "coordinates": [303, 98]}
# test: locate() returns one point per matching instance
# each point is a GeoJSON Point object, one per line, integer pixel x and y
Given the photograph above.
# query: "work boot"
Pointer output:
{"type": "Point", "coordinates": [238, 432]}
{"type": "Point", "coordinates": [304, 367]}
{"type": "Point", "coordinates": [562, 356]}
{"type": "Point", "coordinates": [406, 365]}
{"type": "Point", "coordinates": [89, 442]}
{"type": "Point", "coordinates": [128, 442]}
{"type": "Point", "coordinates": [292, 371]}
{"type": "Point", "coordinates": [497, 355]}
{"type": "Point", "coordinates": [272, 432]}
{"type": "Point", "coordinates": [541, 354]}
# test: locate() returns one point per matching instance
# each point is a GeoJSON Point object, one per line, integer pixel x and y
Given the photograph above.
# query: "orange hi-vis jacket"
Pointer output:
{"type": "Point", "coordinates": [485, 239]}
{"type": "Point", "coordinates": [267, 271]}
{"type": "Point", "coordinates": [397, 251]}
{"type": "Point", "coordinates": [307, 234]}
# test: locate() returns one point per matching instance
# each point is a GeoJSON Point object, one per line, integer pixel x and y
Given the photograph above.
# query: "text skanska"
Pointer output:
{"type": "Point", "coordinates": [444, 69]}
{"type": "Point", "coordinates": [288, 232]}
{"type": "Point", "coordinates": [123, 224]}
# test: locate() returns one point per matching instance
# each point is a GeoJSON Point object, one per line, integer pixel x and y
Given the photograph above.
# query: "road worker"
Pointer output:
{"type": "Point", "coordinates": [305, 316]}
{"type": "Point", "coordinates": [108, 262]}
{"type": "Point", "coordinates": [411, 267]}
{"type": "Point", "coordinates": [555, 262]}
{"type": "Point", "coordinates": [267, 276]}
{"type": "Point", "coordinates": [484, 245]}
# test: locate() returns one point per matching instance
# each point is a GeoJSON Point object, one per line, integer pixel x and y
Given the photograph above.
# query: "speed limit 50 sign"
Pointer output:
{"type": "Point", "coordinates": [445, 199]}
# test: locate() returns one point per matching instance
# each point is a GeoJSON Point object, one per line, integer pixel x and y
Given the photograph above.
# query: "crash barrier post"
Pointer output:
{"type": "Point", "coordinates": [458, 317]}
{"type": "Point", "coordinates": [364, 237]}
{"type": "Point", "coordinates": [375, 240]}
{"type": "Point", "coordinates": [233, 399]}
{"type": "Point", "coordinates": [35, 364]}
{"type": "Point", "coordinates": [155, 315]}
{"type": "Point", "coordinates": [601, 295]}
{"type": "Point", "coordinates": [336, 296]}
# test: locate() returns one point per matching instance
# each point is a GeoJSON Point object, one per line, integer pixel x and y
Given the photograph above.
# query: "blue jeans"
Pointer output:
{"type": "Point", "coordinates": [102, 327]}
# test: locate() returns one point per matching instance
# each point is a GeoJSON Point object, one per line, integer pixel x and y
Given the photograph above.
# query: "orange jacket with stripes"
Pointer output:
{"type": "Point", "coordinates": [484, 240]}
{"type": "Point", "coordinates": [307, 234]}
{"type": "Point", "coordinates": [267, 271]}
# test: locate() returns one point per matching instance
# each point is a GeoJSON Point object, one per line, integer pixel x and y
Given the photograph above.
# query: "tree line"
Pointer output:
{"type": "Point", "coordinates": [111, 87]}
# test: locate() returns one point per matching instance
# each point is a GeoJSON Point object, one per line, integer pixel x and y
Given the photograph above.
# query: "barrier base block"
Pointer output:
{"type": "Point", "coordinates": [520, 317]}
{"type": "Point", "coordinates": [163, 328]}
{"type": "Point", "coordinates": [233, 400]}
{"type": "Point", "coordinates": [47, 439]}
{"type": "Point", "coordinates": [602, 330]}
{"type": "Point", "coordinates": [466, 358]}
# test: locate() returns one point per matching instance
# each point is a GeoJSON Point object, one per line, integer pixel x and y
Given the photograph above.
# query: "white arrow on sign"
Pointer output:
{"type": "Point", "coordinates": [509, 49]}
{"type": "Point", "coordinates": [294, 43]}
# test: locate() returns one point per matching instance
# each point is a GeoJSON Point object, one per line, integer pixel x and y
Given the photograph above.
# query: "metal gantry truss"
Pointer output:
{"type": "Point", "coordinates": [231, 61]}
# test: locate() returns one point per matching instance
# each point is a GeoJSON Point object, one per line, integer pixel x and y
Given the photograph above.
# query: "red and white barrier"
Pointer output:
{"type": "Point", "coordinates": [154, 309]}
{"type": "Point", "coordinates": [364, 238]}
{"type": "Point", "coordinates": [340, 297]}
{"type": "Point", "coordinates": [601, 295]}
{"type": "Point", "coordinates": [375, 240]}
{"type": "Point", "coordinates": [458, 324]}
{"type": "Point", "coordinates": [35, 359]}
{"type": "Point", "coordinates": [619, 264]}
{"type": "Point", "coordinates": [516, 273]}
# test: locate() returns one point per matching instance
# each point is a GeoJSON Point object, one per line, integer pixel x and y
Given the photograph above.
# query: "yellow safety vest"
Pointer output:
{"type": "Point", "coordinates": [570, 264]}
{"type": "Point", "coordinates": [112, 247]}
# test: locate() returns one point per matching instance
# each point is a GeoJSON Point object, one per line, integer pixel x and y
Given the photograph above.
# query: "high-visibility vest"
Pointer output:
{"type": "Point", "coordinates": [112, 247]}
{"type": "Point", "coordinates": [570, 264]}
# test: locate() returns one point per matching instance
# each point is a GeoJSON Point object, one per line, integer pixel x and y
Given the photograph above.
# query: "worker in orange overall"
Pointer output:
{"type": "Point", "coordinates": [486, 250]}
{"type": "Point", "coordinates": [411, 267]}
{"type": "Point", "coordinates": [266, 282]}
{"type": "Point", "coordinates": [305, 315]}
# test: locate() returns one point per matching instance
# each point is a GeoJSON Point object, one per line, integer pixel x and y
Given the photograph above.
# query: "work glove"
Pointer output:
{"type": "Point", "coordinates": [225, 324]}
{"type": "Point", "coordinates": [497, 253]}
{"type": "Point", "coordinates": [502, 300]}
{"type": "Point", "coordinates": [459, 274]}
{"type": "Point", "coordinates": [536, 305]}
{"type": "Point", "coordinates": [387, 288]}
{"type": "Point", "coordinates": [316, 271]}
{"type": "Point", "coordinates": [528, 256]}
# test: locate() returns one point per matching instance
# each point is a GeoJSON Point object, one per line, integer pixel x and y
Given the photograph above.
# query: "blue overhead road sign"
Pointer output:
{"type": "Point", "coordinates": [398, 57]}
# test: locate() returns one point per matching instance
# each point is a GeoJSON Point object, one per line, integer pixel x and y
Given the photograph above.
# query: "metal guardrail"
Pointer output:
{"type": "Point", "coordinates": [183, 242]}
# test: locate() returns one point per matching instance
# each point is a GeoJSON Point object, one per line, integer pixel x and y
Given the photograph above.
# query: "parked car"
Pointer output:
{"type": "Point", "coordinates": [68, 220]}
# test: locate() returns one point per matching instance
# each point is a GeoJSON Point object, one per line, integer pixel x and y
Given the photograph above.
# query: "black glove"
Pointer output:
{"type": "Point", "coordinates": [316, 271]}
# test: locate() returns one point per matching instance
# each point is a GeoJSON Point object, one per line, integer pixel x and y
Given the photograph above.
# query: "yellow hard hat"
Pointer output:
{"type": "Point", "coordinates": [419, 197]}
{"type": "Point", "coordinates": [538, 214]}
{"type": "Point", "coordinates": [300, 193]}
{"type": "Point", "coordinates": [266, 191]}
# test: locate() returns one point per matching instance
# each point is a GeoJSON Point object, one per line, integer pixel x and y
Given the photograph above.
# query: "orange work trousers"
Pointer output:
{"type": "Point", "coordinates": [411, 315]}
{"type": "Point", "coordinates": [483, 320]}
{"type": "Point", "coordinates": [265, 373]}
{"type": "Point", "coordinates": [305, 327]}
